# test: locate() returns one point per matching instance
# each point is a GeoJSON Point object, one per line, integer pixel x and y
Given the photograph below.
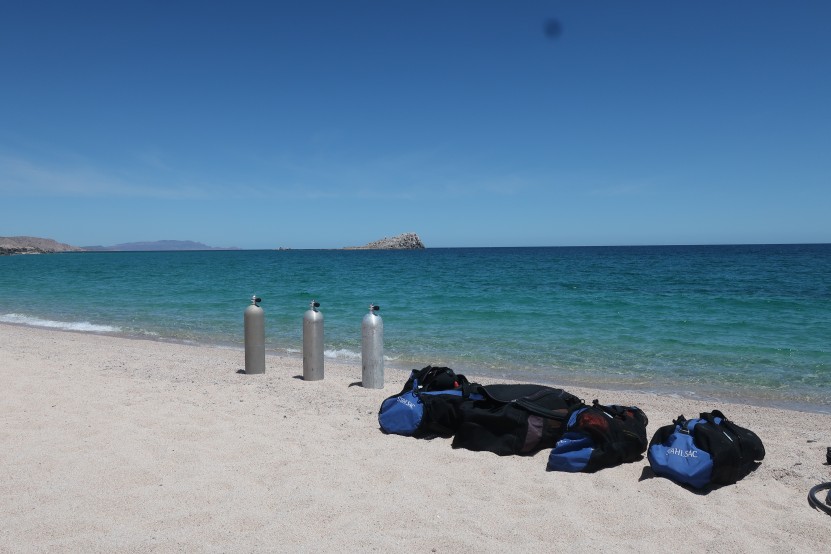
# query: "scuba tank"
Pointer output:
{"type": "Point", "coordinates": [254, 323]}
{"type": "Point", "coordinates": [313, 343]}
{"type": "Point", "coordinates": [372, 349]}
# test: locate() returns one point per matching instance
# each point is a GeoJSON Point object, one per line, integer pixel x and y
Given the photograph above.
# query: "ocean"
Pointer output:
{"type": "Point", "coordinates": [732, 323]}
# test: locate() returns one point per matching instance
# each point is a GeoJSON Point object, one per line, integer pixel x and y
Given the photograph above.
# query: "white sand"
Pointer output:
{"type": "Point", "coordinates": [117, 445]}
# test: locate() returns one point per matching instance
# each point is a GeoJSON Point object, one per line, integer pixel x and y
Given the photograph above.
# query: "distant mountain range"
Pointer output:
{"type": "Point", "coordinates": [36, 245]}
{"type": "Point", "coordinates": [156, 246]}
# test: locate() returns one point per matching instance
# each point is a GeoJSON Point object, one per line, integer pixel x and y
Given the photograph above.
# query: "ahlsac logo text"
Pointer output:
{"type": "Point", "coordinates": [683, 453]}
{"type": "Point", "coordinates": [406, 402]}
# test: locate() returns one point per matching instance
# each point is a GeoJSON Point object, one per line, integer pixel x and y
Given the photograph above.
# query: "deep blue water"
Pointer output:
{"type": "Point", "coordinates": [722, 322]}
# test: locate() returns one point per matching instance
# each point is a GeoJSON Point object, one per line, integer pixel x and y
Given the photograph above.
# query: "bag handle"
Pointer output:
{"type": "Point", "coordinates": [681, 421]}
{"type": "Point", "coordinates": [711, 417]}
{"type": "Point", "coordinates": [462, 383]}
{"type": "Point", "coordinates": [616, 411]}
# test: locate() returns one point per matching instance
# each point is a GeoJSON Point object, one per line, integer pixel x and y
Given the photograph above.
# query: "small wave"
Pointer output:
{"type": "Point", "coordinates": [342, 353]}
{"type": "Point", "coordinates": [84, 326]}
{"type": "Point", "coordinates": [345, 354]}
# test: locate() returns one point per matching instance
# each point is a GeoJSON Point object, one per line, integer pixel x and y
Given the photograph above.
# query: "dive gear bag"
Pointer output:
{"type": "Point", "coordinates": [706, 450]}
{"type": "Point", "coordinates": [428, 404]}
{"type": "Point", "coordinates": [599, 436]}
{"type": "Point", "coordinates": [514, 418]}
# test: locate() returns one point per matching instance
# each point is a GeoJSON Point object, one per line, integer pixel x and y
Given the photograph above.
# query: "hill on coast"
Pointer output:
{"type": "Point", "coordinates": [33, 245]}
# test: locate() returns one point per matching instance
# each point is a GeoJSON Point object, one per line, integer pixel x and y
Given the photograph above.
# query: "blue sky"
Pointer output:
{"type": "Point", "coordinates": [327, 124]}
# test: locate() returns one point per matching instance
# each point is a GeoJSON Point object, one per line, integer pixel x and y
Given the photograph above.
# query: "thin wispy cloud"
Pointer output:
{"type": "Point", "coordinates": [508, 185]}
{"type": "Point", "coordinates": [413, 175]}
{"type": "Point", "coordinates": [406, 177]}
{"type": "Point", "coordinates": [23, 177]}
{"type": "Point", "coordinates": [621, 189]}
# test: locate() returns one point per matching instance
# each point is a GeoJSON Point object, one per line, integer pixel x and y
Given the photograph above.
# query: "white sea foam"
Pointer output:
{"type": "Point", "coordinates": [346, 354]}
{"type": "Point", "coordinates": [342, 353]}
{"type": "Point", "coordinates": [84, 326]}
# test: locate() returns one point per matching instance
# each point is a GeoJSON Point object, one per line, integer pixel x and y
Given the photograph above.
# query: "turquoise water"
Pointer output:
{"type": "Point", "coordinates": [720, 322]}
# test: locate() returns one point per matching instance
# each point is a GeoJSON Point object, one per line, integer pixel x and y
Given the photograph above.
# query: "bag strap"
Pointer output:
{"type": "Point", "coordinates": [596, 404]}
{"type": "Point", "coordinates": [467, 387]}
{"type": "Point", "coordinates": [612, 411]}
{"type": "Point", "coordinates": [622, 413]}
{"type": "Point", "coordinates": [529, 405]}
{"type": "Point", "coordinates": [462, 383]}
{"type": "Point", "coordinates": [440, 378]}
{"type": "Point", "coordinates": [687, 426]}
{"type": "Point", "coordinates": [428, 374]}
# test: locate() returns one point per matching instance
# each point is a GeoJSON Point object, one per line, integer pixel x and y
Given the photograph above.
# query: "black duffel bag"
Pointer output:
{"type": "Point", "coordinates": [514, 419]}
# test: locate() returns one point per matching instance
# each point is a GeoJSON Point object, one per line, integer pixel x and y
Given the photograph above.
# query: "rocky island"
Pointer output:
{"type": "Point", "coordinates": [406, 241]}
{"type": "Point", "coordinates": [33, 245]}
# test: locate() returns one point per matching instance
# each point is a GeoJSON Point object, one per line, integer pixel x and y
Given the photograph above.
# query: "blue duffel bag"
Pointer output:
{"type": "Point", "coordinates": [708, 450]}
{"type": "Point", "coordinates": [428, 404]}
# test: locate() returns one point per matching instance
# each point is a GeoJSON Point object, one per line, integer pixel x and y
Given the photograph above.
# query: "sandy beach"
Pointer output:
{"type": "Point", "coordinates": [120, 445]}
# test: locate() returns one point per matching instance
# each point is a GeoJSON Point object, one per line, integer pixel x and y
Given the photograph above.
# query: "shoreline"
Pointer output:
{"type": "Point", "coordinates": [558, 377]}
{"type": "Point", "coordinates": [141, 445]}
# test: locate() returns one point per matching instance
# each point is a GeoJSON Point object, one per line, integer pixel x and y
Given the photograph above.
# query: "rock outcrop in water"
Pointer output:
{"type": "Point", "coordinates": [406, 241]}
{"type": "Point", "coordinates": [33, 245]}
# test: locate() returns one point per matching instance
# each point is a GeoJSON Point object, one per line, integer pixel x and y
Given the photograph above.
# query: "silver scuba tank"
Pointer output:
{"type": "Point", "coordinates": [313, 343]}
{"type": "Point", "coordinates": [254, 324]}
{"type": "Point", "coordinates": [372, 349]}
